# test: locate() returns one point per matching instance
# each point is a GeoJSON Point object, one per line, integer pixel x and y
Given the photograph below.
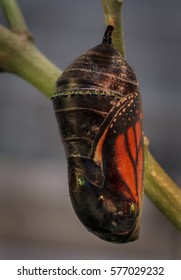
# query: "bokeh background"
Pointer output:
{"type": "Point", "coordinates": [36, 217]}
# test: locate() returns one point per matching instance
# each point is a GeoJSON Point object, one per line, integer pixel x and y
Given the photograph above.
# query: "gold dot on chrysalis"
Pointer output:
{"type": "Point", "coordinates": [132, 208]}
{"type": "Point", "coordinates": [81, 181]}
{"type": "Point", "coordinates": [101, 198]}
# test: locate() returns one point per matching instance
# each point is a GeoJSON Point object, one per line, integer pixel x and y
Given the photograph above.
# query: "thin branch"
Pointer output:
{"type": "Point", "coordinates": [113, 16]}
{"type": "Point", "coordinates": [14, 17]}
{"type": "Point", "coordinates": [20, 56]}
{"type": "Point", "coordinates": [161, 189]}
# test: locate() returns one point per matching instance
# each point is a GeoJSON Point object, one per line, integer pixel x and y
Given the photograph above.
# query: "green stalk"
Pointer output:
{"type": "Point", "coordinates": [18, 55]}
{"type": "Point", "coordinates": [162, 190]}
{"type": "Point", "coordinates": [113, 14]}
{"type": "Point", "coordinates": [14, 16]}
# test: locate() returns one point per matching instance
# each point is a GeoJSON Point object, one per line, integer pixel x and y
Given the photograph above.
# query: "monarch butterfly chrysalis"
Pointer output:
{"type": "Point", "coordinates": [98, 110]}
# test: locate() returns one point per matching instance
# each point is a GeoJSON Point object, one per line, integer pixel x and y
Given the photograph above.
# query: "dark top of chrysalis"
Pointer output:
{"type": "Point", "coordinates": [107, 39]}
{"type": "Point", "coordinates": [100, 69]}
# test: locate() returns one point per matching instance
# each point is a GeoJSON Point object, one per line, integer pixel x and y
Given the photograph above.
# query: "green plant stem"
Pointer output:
{"type": "Point", "coordinates": [14, 16]}
{"type": "Point", "coordinates": [20, 56]}
{"type": "Point", "coordinates": [113, 15]}
{"type": "Point", "coordinates": [161, 189]}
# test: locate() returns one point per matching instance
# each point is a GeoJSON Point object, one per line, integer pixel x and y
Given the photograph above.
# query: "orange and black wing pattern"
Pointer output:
{"type": "Point", "coordinates": [119, 151]}
{"type": "Point", "coordinates": [122, 149]}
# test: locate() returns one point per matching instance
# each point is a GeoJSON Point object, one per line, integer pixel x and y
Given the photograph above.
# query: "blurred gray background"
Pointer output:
{"type": "Point", "coordinates": [36, 217]}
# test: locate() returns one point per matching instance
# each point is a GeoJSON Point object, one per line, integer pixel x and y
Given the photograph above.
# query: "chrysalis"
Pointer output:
{"type": "Point", "coordinates": [98, 110]}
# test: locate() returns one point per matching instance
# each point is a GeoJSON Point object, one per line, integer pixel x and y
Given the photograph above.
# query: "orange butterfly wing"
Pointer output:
{"type": "Point", "coordinates": [120, 150]}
